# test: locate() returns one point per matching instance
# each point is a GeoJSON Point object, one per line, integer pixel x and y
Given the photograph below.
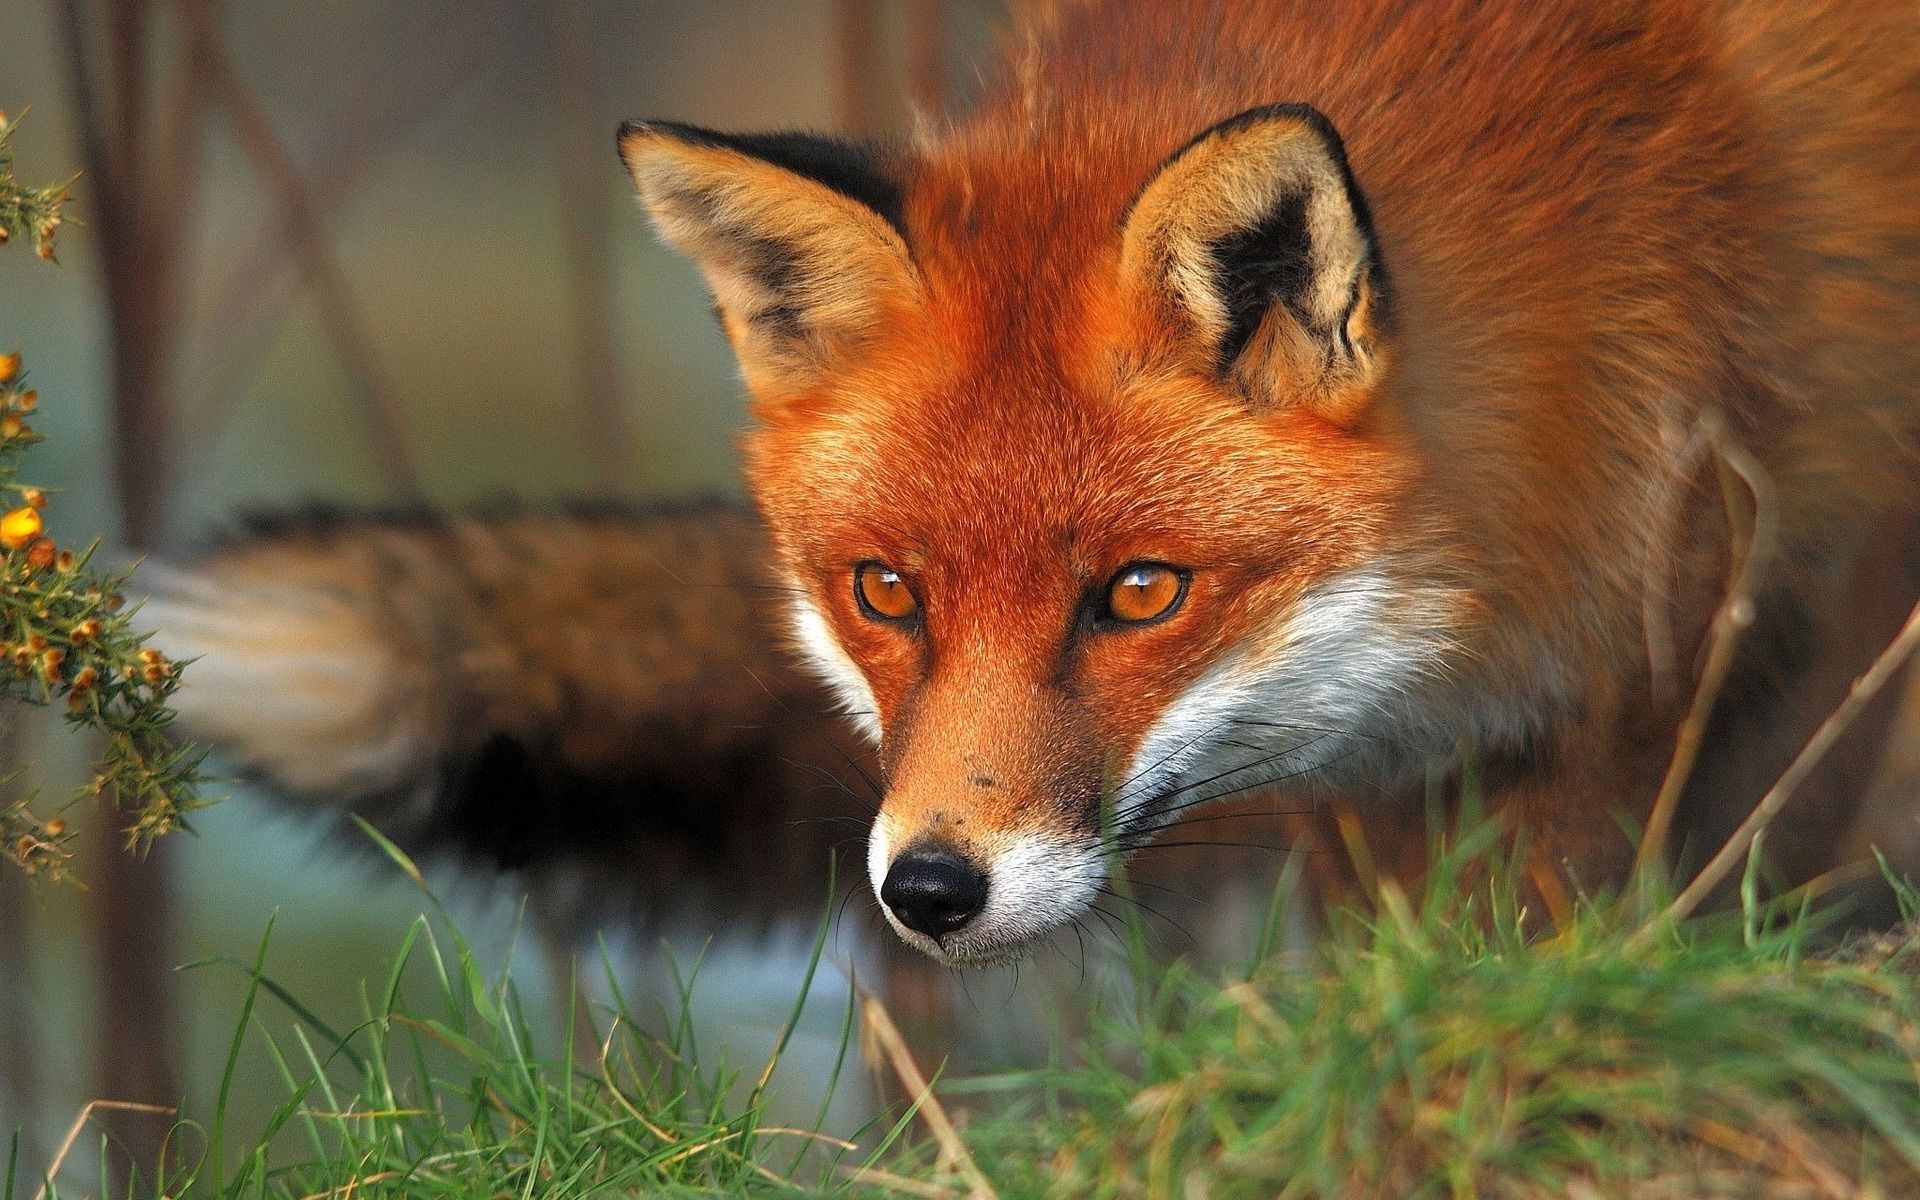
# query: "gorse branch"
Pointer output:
{"type": "Point", "coordinates": [26, 213]}
{"type": "Point", "coordinates": [65, 635]}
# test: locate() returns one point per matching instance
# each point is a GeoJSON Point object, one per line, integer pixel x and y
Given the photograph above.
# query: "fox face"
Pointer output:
{"type": "Point", "coordinates": [1081, 484]}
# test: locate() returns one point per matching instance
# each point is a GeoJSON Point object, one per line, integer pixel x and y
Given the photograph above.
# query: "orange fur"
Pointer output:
{"type": "Point", "coordinates": [1596, 222]}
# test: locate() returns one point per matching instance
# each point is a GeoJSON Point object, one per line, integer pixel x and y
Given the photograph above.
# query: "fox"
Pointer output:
{"type": "Point", "coordinates": [1255, 394]}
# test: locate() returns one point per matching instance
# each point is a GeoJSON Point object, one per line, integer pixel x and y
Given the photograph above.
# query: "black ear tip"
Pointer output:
{"type": "Point", "coordinates": [633, 131]}
{"type": "Point", "coordinates": [1303, 114]}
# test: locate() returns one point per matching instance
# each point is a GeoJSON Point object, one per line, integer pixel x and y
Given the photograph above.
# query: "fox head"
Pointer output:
{"type": "Point", "coordinates": [1079, 471]}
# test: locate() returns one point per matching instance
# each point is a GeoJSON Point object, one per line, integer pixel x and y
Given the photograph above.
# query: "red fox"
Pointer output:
{"type": "Point", "coordinates": [1270, 394]}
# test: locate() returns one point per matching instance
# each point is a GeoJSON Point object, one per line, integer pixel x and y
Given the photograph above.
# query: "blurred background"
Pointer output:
{"type": "Point", "coordinates": [368, 253]}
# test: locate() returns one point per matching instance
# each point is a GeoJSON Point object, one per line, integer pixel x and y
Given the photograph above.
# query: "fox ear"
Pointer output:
{"type": "Point", "coordinates": [799, 238]}
{"type": "Point", "coordinates": [1255, 242]}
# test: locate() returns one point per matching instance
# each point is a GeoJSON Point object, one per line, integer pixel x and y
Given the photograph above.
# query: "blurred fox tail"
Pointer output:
{"type": "Point", "coordinates": [511, 687]}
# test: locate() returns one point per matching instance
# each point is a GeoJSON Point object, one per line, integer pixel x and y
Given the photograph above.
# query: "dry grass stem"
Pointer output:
{"type": "Point", "coordinates": [1864, 689]}
{"type": "Point", "coordinates": [886, 1036]}
{"type": "Point", "coordinates": [1730, 621]}
{"type": "Point", "coordinates": [80, 1122]}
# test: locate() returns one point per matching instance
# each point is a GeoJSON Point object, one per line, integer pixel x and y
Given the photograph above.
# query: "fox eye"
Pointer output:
{"type": "Point", "coordinates": [1144, 592]}
{"type": "Point", "coordinates": [882, 594]}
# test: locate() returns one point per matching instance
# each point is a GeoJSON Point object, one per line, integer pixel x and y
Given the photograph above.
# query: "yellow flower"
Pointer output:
{"type": "Point", "coordinates": [9, 366]}
{"type": "Point", "coordinates": [20, 527]}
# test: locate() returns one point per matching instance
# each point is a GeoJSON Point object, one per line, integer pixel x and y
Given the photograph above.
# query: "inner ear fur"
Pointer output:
{"type": "Point", "coordinates": [1256, 243]}
{"type": "Point", "coordinates": [799, 238]}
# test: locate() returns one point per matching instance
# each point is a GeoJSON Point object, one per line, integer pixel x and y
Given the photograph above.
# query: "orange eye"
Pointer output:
{"type": "Point", "coordinates": [1145, 592]}
{"type": "Point", "coordinates": [882, 593]}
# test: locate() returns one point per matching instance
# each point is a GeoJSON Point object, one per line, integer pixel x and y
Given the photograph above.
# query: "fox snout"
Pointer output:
{"type": "Point", "coordinates": [974, 874]}
{"type": "Point", "coordinates": [933, 891]}
{"type": "Point", "coordinates": [981, 900]}
{"type": "Point", "coordinates": [989, 835]}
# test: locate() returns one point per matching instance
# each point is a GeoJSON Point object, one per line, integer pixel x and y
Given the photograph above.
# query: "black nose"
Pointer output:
{"type": "Point", "coordinates": [933, 894]}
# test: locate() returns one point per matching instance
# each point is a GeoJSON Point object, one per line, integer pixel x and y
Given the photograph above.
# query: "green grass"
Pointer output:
{"type": "Point", "coordinates": [1444, 1046]}
{"type": "Point", "coordinates": [457, 1101]}
{"type": "Point", "coordinates": [1448, 1049]}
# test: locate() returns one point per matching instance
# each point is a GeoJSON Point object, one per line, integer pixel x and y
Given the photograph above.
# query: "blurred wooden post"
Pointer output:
{"type": "Point", "coordinates": [862, 102]}
{"type": "Point", "coordinates": [132, 899]}
{"type": "Point", "coordinates": [868, 98]}
{"type": "Point", "coordinates": [584, 134]}
{"type": "Point", "coordinates": [19, 1065]}
{"type": "Point", "coordinates": [927, 56]}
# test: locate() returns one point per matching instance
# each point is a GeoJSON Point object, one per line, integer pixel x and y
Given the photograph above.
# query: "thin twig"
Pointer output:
{"type": "Point", "coordinates": [252, 299]}
{"type": "Point", "coordinates": [80, 1122]}
{"type": "Point", "coordinates": [1862, 692]}
{"type": "Point", "coordinates": [1656, 594]}
{"type": "Point", "coordinates": [308, 241]}
{"type": "Point", "coordinates": [1735, 614]}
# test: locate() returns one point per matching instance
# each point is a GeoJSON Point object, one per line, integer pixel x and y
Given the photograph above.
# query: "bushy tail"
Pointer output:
{"type": "Point", "coordinates": [527, 689]}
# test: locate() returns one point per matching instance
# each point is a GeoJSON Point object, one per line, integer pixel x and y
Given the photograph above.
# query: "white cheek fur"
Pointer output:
{"type": "Point", "coordinates": [822, 652]}
{"type": "Point", "coordinates": [879, 853]}
{"type": "Point", "coordinates": [1333, 687]}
